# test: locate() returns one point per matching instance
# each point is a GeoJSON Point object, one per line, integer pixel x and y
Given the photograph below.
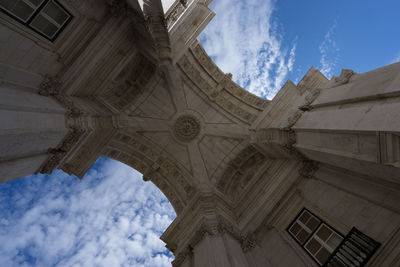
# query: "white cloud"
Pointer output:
{"type": "Point", "coordinates": [396, 58]}
{"type": "Point", "coordinates": [329, 52]}
{"type": "Point", "coordinates": [110, 218]}
{"type": "Point", "coordinates": [243, 39]}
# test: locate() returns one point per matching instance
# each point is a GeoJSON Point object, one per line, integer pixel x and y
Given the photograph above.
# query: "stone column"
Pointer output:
{"type": "Point", "coordinates": [354, 123]}
{"type": "Point", "coordinates": [205, 234]}
{"type": "Point", "coordinates": [31, 125]}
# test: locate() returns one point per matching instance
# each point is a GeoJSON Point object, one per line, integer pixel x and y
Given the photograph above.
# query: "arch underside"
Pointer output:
{"type": "Point", "coordinates": [125, 92]}
{"type": "Point", "coordinates": [131, 111]}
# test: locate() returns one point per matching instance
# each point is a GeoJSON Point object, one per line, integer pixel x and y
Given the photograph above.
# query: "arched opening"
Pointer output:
{"type": "Point", "coordinates": [110, 218]}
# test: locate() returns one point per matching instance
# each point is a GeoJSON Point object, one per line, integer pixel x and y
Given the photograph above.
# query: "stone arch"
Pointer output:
{"type": "Point", "coordinates": [129, 83]}
{"type": "Point", "coordinates": [155, 166]}
{"type": "Point", "coordinates": [198, 67]}
{"type": "Point", "coordinates": [240, 170]}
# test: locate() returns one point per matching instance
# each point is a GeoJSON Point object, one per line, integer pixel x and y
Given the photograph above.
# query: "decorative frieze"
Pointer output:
{"type": "Point", "coordinates": [176, 12]}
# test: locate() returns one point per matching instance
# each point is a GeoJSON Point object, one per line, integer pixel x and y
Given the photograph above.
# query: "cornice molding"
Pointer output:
{"type": "Point", "coordinates": [74, 120]}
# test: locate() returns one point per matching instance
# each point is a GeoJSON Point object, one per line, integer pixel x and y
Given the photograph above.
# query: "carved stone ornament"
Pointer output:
{"type": "Point", "coordinates": [186, 128]}
{"type": "Point", "coordinates": [50, 88]}
{"type": "Point", "coordinates": [175, 13]}
{"type": "Point", "coordinates": [308, 169]}
{"type": "Point", "coordinates": [248, 242]}
{"type": "Point", "coordinates": [56, 155]}
{"type": "Point", "coordinates": [344, 77]}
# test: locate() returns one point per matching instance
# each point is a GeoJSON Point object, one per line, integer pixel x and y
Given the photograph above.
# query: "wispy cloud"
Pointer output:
{"type": "Point", "coordinates": [329, 52]}
{"type": "Point", "coordinates": [396, 58]}
{"type": "Point", "coordinates": [243, 39]}
{"type": "Point", "coordinates": [110, 218]}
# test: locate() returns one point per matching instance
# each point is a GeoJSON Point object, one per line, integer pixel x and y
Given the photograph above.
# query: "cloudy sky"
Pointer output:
{"type": "Point", "coordinates": [112, 217]}
{"type": "Point", "coordinates": [263, 43]}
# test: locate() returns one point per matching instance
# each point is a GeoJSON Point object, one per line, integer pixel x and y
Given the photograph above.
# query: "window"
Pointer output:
{"type": "Point", "coordinates": [46, 17]}
{"type": "Point", "coordinates": [355, 250]}
{"type": "Point", "coordinates": [328, 247]}
{"type": "Point", "coordinates": [316, 237]}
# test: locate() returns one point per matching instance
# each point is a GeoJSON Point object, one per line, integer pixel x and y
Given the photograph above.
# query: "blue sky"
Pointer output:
{"type": "Point", "coordinates": [112, 217]}
{"type": "Point", "coordinates": [263, 43]}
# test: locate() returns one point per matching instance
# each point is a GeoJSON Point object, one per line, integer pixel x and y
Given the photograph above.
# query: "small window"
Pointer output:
{"type": "Point", "coordinates": [315, 236]}
{"type": "Point", "coordinates": [46, 17]}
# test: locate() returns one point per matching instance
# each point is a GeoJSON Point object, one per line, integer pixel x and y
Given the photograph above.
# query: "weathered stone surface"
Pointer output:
{"type": "Point", "coordinates": [137, 86]}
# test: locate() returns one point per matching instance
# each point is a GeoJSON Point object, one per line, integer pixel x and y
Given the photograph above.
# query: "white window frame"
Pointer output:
{"type": "Point", "coordinates": [313, 234]}
{"type": "Point", "coordinates": [324, 244]}
{"type": "Point", "coordinates": [38, 10]}
{"type": "Point", "coordinates": [55, 23]}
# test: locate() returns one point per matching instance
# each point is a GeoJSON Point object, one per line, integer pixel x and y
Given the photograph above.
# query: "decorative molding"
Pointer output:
{"type": "Point", "coordinates": [186, 128]}
{"type": "Point", "coordinates": [151, 172]}
{"type": "Point", "coordinates": [50, 88]}
{"type": "Point", "coordinates": [181, 257]}
{"type": "Point", "coordinates": [57, 154]}
{"type": "Point", "coordinates": [176, 12]}
{"type": "Point", "coordinates": [248, 242]}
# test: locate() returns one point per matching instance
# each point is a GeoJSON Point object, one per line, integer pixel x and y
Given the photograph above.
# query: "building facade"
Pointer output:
{"type": "Point", "coordinates": [309, 178]}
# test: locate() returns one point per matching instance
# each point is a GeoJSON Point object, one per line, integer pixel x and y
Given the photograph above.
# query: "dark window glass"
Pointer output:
{"type": "Point", "coordinates": [45, 26]}
{"type": "Point", "coordinates": [46, 17]}
{"type": "Point", "coordinates": [316, 237]}
{"type": "Point", "coordinates": [55, 12]}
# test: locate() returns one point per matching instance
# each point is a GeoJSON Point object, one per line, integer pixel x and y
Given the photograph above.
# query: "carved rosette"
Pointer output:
{"type": "Point", "coordinates": [186, 128]}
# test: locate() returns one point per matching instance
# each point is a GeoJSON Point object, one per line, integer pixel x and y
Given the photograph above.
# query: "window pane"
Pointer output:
{"type": "Point", "coordinates": [8, 4]}
{"type": "Point", "coordinates": [324, 232]}
{"type": "Point", "coordinates": [22, 10]}
{"type": "Point", "coordinates": [302, 236]}
{"type": "Point", "coordinates": [304, 217]}
{"type": "Point", "coordinates": [55, 12]}
{"type": "Point", "coordinates": [337, 263]}
{"type": "Point", "coordinates": [44, 26]}
{"type": "Point", "coordinates": [35, 2]}
{"type": "Point", "coordinates": [334, 241]}
{"type": "Point", "coordinates": [312, 223]}
{"type": "Point", "coordinates": [17, 8]}
{"type": "Point", "coordinates": [313, 246]}
{"type": "Point", "coordinates": [323, 255]}
{"type": "Point", "coordinates": [295, 228]}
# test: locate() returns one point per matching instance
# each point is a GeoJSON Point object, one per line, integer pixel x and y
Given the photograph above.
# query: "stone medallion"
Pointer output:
{"type": "Point", "coordinates": [186, 127]}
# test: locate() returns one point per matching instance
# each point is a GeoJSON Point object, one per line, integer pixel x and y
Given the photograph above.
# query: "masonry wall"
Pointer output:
{"type": "Point", "coordinates": [343, 200]}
